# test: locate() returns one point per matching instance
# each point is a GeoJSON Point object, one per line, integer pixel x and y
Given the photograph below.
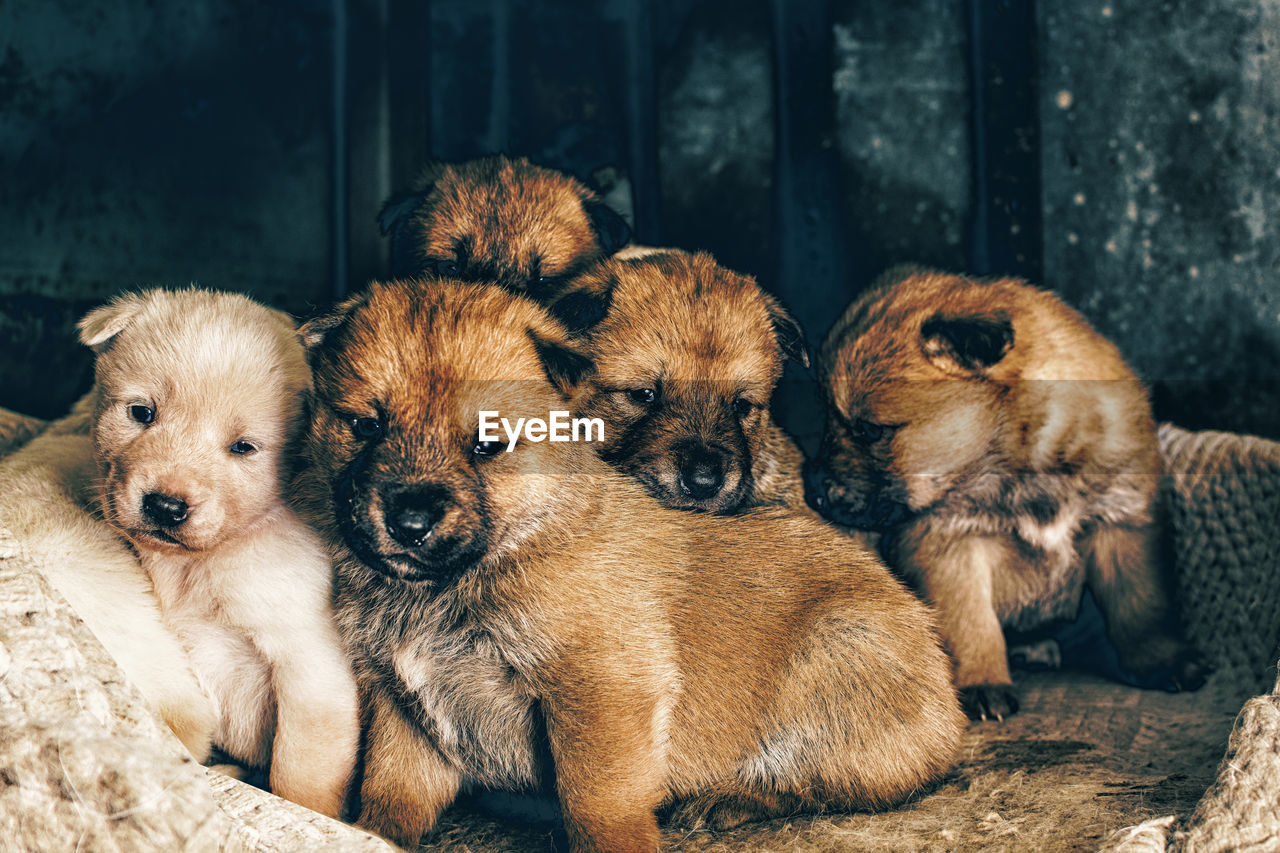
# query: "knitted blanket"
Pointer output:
{"type": "Point", "coordinates": [1086, 765]}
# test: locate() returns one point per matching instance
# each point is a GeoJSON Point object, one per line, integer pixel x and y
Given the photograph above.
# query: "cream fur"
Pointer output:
{"type": "Point", "coordinates": [45, 502]}
{"type": "Point", "coordinates": [241, 580]}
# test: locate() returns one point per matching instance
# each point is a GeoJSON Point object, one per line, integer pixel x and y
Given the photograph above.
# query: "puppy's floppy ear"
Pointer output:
{"type": "Point", "coordinates": [787, 329]}
{"type": "Point", "coordinates": [397, 210]}
{"type": "Point", "coordinates": [611, 229]}
{"type": "Point", "coordinates": [565, 366]}
{"type": "Point", "coordinates": [972, 342]}
{"type": "Point", "coordinates": [586, 303]}
{"type": "Point", "coordinates": [100, 326]}
{"type": "Point", "coordinates": [315, 333]}
{"type": "Point", "coordinates": [396, 215]}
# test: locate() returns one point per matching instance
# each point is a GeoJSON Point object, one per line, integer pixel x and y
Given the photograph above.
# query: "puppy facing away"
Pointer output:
{"type": "Point", "coordinates": [687, 358]}
{"type": "Point", "coordinates": [496, 219]}
{"type": "Point", "coordinates": [48, 505]}
{"type": "Point", "coordinates": [198, 396]}
{"type": "Point", "coordinates": [1011, 454]}
{"type": "Point", "coordinates": [533, 614]}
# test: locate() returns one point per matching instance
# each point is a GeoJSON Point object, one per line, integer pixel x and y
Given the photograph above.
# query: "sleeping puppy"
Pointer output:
{"type": "Point", "coordinates": [198, 395]}
{"type": "Point", "coordinates": [506, 221]}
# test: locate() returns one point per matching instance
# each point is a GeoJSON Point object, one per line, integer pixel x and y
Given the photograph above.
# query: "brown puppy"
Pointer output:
{"type": "Point", "coordinates": [497, 603]}
{"type": "Point", "coordinates": [1012, 453]}
{"type": "Point", "coordinates": [687, 358]}
{"type": "Point", "coordinates": [500, 220]}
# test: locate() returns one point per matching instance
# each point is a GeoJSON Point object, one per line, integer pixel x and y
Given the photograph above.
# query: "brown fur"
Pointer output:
{"type": "Point", "coordinates": [1012, 452]}
{"type": "Point", "coordinates": [741, 666]}
{"type": "Point", "coordinates": [709, 345]}
{"type": "Point", "coordinates": [500, 220]}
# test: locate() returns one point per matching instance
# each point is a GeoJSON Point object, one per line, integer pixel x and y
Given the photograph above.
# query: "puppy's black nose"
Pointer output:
{"type": "Point", "coordinates": [702, 474]}
{"type": "Point", "coordinates": [816, 483]}
{"type": "Point", "coordinates": [164, 510]}
{"type": "Point", "coordinates": [411, 515]}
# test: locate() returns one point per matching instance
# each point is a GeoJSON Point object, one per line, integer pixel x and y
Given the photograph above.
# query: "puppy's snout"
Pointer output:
{"type": "Point", "coordinates": [702, 473]}
{"type": "Point", "coordinates": [412, 514]}
{"type": "Point", "coordinates": [866, 507]}
{"type": "Point", "coordinates": [165, 510]}
{"type": "Point", "coordinates": [817, 484]}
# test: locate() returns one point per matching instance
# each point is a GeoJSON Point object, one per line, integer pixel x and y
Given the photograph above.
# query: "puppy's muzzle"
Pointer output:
{"type": "Point", "coordinates": [165, 511]}
{"type": "Point", "coordinates": [866, 508]}
{"type": "Point", "coordinates": [701, 472]}
{"type": "Point", "coordinates": [411, 516]}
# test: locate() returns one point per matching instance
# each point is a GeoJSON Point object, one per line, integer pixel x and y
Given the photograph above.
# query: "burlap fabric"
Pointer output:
{"type": "Point", "coordinates": [1225, 511]}
{"type": "Point", "coordinates": [1087, 764]}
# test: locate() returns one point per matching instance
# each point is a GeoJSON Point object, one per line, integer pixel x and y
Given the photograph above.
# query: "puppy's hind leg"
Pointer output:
{"type": "Point", "coordinates": [1125, 573]}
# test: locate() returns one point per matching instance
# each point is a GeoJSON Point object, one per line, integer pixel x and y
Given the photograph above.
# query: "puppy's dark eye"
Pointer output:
{"type": "Point", "coordinates": [367, 429]}
{"type": "Point", "coordinates": [642, 396]}
{"type": "Point", "coordinates": [545, 283]}
{"type": "Point", "coordinates": [243, 448]}
{"type": "Point", "coordinates": [142, 414]}
{"type": "Point", "coordinates": [487, 448]}
{"type": "Point", "coordinates": [867, 432]}
{"type": "Point", "coordinates": [742, 407]}
{"type": "Point", "coordinates": [446, 266]}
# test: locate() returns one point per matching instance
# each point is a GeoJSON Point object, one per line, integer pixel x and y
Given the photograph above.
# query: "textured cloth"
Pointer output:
{"type": "Point", "coordinates": [1225, 512]}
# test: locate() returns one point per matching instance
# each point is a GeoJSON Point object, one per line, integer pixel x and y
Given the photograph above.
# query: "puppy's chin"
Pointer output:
{"type": "Point", "coordinates": [433, 569]}
{"type": "Point", "coordinates": [159, 541]}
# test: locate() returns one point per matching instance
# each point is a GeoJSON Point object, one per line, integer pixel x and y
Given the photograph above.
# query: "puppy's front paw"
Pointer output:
{"type": "Point", "coordinates": [988, 701]}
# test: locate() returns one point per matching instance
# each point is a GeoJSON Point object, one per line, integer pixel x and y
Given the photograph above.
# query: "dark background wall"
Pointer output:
{"type": "Point", "coordinates": [1124, 153]}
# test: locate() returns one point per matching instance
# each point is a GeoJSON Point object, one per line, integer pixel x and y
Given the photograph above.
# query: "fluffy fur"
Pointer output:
{"type": "Point", "coordinates": [687, 358]}
{"type": "Point", "coordinates": [1012, 453]}
{"type": "Point", "coordinates": [530, 619]}
{"type": "Point", "coordinates": [198, 395]}
{"type": "Point", "coordinates": [48, 502]}
{"type": "Point", "coordinates": [500, 220]}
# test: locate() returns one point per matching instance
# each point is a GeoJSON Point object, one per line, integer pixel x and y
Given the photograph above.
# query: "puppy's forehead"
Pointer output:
{"type": "Point", "coordinates": [414, 340]}
{"type": "Point", "coordinates": [515, 215]}
{"type": "Point", "coordinates": [700, 320]}
{"type": "Point", "coordinates": [218, 345]}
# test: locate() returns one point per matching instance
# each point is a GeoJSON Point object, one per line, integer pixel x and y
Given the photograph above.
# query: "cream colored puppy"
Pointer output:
{"type": "Point", "coordinates": [199, 395]}
{"type": "Point", "coordinates": [46, 496]}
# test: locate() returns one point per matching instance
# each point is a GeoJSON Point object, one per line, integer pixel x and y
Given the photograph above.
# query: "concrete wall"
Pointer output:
{"type": "Point", "coordinates": [154, 144]}
{"type": "Point", "coordinates": [163, 144]}
{"type": "Point", "coordinates": [1161, 168]}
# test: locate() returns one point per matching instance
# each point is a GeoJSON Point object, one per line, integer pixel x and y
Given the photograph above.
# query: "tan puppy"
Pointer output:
{"type": "Point", "coordinates": [48, 505]}
{"type": "Point", "coordinates": [746, 666]}
{"type": "Point", "coordinates": [199, 393]}
{"type": "Point", "coordinates": [501, 220]}
{"type": "Point", "coordinates": [1012, 453]}
{"type": "Point", "coordinates": [687, 358]}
